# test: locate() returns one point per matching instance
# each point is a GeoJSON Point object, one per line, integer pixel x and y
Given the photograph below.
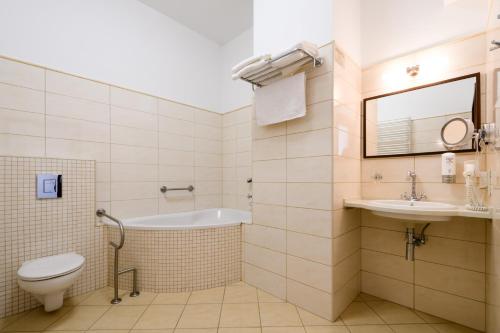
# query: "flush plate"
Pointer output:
{"type": "Point", "coordinates": [48, 186]}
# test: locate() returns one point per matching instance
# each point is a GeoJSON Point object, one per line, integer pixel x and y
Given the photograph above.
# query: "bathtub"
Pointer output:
{"type": "Point", "coordinates": [182, 251]}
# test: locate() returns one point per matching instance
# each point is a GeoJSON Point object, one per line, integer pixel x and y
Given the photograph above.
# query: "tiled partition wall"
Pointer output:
{"type": "Point", "coordinates": [295, 243]}
{"type": "Point", "coordinates": [493, 229]}
{"type": "Point", "coordinates": [31, 228]}
{"type": "Point", "coordinates": [139, 142]}
{"type": "Point", "coordinates": [448, 277]}
{"type": "Point", "coordinates": [237, 158]}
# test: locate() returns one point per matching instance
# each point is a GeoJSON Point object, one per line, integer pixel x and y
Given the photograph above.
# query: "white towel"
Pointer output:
{"type": "Point", "coordinates": [306, 46]}
{"type": "Point", "coordinates": [251, 69]}
{"type": "Point", "coordinates": [281, 101]}
{"type": "Point", "coordinates": [248, 61]}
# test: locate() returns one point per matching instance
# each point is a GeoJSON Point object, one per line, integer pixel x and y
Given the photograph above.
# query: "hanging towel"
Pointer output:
{"type": "Point", "coordinates": [281, 101]}
{"type": "Point", "coordinates": [249, 61]}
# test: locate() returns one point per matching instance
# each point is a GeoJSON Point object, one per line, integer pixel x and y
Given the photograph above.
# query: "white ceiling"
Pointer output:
{"type": "Point", "coordinates": [218, 20]}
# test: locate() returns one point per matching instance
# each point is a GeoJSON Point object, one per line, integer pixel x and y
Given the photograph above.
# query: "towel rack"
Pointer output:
{"type": "Point", "coordinates": [271, 73]}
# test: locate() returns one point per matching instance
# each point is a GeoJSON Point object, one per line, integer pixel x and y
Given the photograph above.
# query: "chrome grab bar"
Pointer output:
{"type": "Point", "coordinates": [164, 189]}
{"type": "Point", "coordinates": [101, 212]}
{"type": "Point", "coordinates": [116, 299]}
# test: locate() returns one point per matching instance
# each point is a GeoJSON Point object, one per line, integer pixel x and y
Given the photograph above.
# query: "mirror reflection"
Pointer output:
{"type": "Point", "coordinates": [410, 122]}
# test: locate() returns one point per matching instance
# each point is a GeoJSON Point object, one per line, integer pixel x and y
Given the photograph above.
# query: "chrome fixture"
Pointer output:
{"type": "Point", "coordinates": [135, 292]}
{"type": "Point", "coordinates": [496, 45]}
{"type": "Point", "coordinates": [413, 196]}
{"type": "Point", "coordinates": [164, 189]}
{"type": "Point", "coordinates": [413, 70]}
{"type": "Point", "coordinates": [249, 180]}
{"type": "Point", "coordinates": [378, 176]}
{"type": "Point", "coordinates": [413, 240]}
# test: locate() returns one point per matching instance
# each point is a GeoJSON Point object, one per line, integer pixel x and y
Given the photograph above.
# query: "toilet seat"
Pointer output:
{"type": "Point", "coordinates": [50, 267]}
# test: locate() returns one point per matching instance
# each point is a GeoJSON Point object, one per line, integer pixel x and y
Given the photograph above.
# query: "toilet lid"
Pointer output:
{"type": "Point", "coordinates": [50, 267]}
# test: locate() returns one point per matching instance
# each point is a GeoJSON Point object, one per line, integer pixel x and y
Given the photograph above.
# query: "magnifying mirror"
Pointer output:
{"type": "Point", "coordinates": [457, 132]}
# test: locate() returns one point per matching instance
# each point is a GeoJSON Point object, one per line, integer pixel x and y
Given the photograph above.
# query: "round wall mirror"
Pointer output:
{"type": "Point", "coordinates": [457, 132]}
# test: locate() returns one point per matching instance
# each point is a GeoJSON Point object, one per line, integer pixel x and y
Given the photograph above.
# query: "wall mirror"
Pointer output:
{"type": "Point", "coordinates": [409, 122]}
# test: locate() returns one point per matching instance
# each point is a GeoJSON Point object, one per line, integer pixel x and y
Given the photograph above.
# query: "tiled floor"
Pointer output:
{"type": "Point", "coordinates": [232, 309]}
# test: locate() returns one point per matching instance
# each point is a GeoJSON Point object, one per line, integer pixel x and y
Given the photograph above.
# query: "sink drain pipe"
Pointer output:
{"type": "Point", "coordinates": [413, 240]}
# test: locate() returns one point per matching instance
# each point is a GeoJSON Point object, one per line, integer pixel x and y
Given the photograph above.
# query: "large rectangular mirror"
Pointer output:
{"type": "Point", "coordinates": [409, 122]}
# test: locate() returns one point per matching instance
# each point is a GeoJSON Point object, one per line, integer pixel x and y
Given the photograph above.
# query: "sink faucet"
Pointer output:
{"type": "Point", "coordinates": [413, 196]}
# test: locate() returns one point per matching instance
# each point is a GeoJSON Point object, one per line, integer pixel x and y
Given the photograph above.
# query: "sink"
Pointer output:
{"type": "Point", "coordinates": [416, 211]}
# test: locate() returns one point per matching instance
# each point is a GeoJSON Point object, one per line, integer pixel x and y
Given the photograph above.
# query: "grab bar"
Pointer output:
{"type": "Point", "coordinates": [164, 189]}
{"type": "Point", "coordinates": [101, 212]}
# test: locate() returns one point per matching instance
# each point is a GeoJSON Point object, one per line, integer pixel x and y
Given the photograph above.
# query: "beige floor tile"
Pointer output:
{"type": "Point", "coordinates": [76, 300]}
{"type": "Point", "coordinates": [142, 331]}
{"type": "Point", "coordinates": [240, 294]}
{"type": "Point", "coordinates": [412, 328]}
{"type": "Point", "coordinates": [120, 317]}
{"type": "Point", "coordinates": [239, 330]}
{"type": "Point", "coordinates": [430, 319]}
{"type": "Point", "coordinates": [172, 298]}
{"type": "Point", "coordinates": [265, 297]}
{"type": "Point", "coordinates": [358, 313]}
{"type": "Point", "coordinates": [103, 296]}
{"type": "Point", "coordinates": [79, 318]}
{"type": "Point", "coordinates": [214, 295]}
{"type": "Point", "coordinates": [36, 320]}
{"type": "Point", "coordinates": [240, 315]}
{"type": "Point", "coordinates": [111, 331]}
{"type": "Point", "coordinates": [200, 316]}
{"type": "Point", "coordinates": [327, 329]}
{"type": "Point", "coordinates": [370, 329]}
{"type": "Point", "coordinates": [49, 331]}
{"type": "Point", "coordinates": [4, 322]}
{"type": "Point", "coordinates": [196, 330]}
{"type": "Point", "coordinates": [159, 317]}
{"type": "Point", "coordinates": [279, 314]}
{"type": "Point", "coordinates": [145, 298]}
{"type": "Point", "coordinates": [393, 313]}
{"type": "Point", "coordinates": [283, 330]}
{"type": "Point", "coordinates": [452, 328]}
{"type": "Point", "coordinates": [310, 319]}
{"type": "Point", "coordinates": [367, 297]}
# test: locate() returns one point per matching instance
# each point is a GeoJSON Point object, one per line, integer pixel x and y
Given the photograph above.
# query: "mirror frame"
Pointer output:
{"type": "Point", "coordinates": [476, 114]}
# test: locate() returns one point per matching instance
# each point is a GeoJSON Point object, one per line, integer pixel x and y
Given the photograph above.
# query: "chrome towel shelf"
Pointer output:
{"type": "Point", "coordinates": [164, 189]}
{"type": "Point", "coordinates": [272, 71]}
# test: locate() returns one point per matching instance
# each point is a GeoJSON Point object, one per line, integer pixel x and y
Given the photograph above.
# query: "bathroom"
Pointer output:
{"type": "Point", "coordinates": [247, 166]}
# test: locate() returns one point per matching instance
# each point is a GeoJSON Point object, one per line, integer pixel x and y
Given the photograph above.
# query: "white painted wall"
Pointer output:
{"type": "Point", "coordinates": [279, 24]}
{"type": "Point", "coordinates": [394, 27]}
{"type": "Point", "coordinates": [122, 42]}
{"type": "Point", "coordinates": [235, 93]}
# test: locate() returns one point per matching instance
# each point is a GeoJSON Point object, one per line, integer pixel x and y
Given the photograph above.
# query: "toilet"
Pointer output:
{"type": "Point", "coordinates": [47, 278]}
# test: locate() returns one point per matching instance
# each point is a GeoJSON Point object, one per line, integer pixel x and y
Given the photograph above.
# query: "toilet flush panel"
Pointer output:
{"type": "Point", "coordinates": [48, 186]}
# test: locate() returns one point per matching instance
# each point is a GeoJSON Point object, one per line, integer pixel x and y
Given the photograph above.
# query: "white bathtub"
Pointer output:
{"type": "Point", "coordinates": [200, 219]}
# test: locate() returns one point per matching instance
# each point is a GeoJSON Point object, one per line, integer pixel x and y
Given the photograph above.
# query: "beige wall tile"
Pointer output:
{"type": "Point", "coordinates": [207, 132]}
{"type": "Point", "coordinates": [133, 190]}
{"type": "Point", "coordinates": [130, 154]}
{"type": "Point", "coordinates": [124, 172]}
{"type": "Point", "coordinates": [346, 295]}
{"type": "Point", "coordinates": [345, 245]}
{"type": "Point", "coordinates": [135, 119]}
{"type": "Point", "coordinates": [70, 85]}
{"type": "Point", "coordinates": [265, 258]}
{"type": "Point", "coordinates": [383, 264]}
{"type": "Point", "coordinates": [269, 215]}
{"type": "Point", "coordinates": [309, 273]}
{"type": "Point", "coordinates": [345, 271]}
{"type": "Point", "coordinates": [309, 221]}
{"type": "Point", "coordinates": [346, 144]}
{"type": "Point", "coordinates": [390, 289]}
{"type": "Point", "coordinates": [313, 143]}
{"type": "Point", "coordinates": [21, 145]}
{"type": "Point", "coordinates": [133, 100]}
{"type": "Point", "coordinates": [309, 247]}
{"type": "Point", "coordinates": [345, 220]}
{"type": "Point", "coordinates": [318, 116]}
{"type": "Point", "coordinates": [175, 110]}
{"type": "Point", "coordinates": [22, 123]}
{"type": "Point", "coordinates": [319, 89]}
{"type": "Point", "coordinates": [265, 280]}
{"type": "Point", "coordinates": [207, 159]}
{"type": "Point", "coordinates": [133, 136]}
{"type": "Point", "coordinates": [391, 169]}
{"type": "Point", "coordinates": [269, 193]}
{"type": "Point", "coordinates": [73, 149]}
{"type": "Point", "coordinates": [77, 108]}
{"type": "Point", "coordinates": [208, 118]}
{"type": "Point", "coordinates": [208, 146]}
{"type": "Point", "coordinates": [309, 169]}
{"type": "Point", "coordinates": [271, 238]}
{"type": "Point", "coordinates": [175, 126]}
{"type": "Point", "coordinates": [269, 171]}
{"type": "Point", "coordinates": [269, 149]}
{"type": "Point", "coordinates": [23, 75]}
{"type": "Point", "coordinates": [175, 141]}
{"type": "Point", "coordinates": [311, 299]}
{"type": "Point", "coordinates": [472, 229]}
{"type": "Point", "coordinates": [73, 129]}
{"type": "Point", "coordinates": [457, 309]}
{"type": "Point", "coordinates": [263, 132]}
{"type": "Point", "coordinates": [134, 208]}
{"type": "Point", "coordinates": [175, 157]}
{"type": "Point", "coordinates": [345, 191]}
{"type": "Point", "coordinates": [21, 99]}
{"type": "Point", "coordinates": [452, 280]}
{"type": "Point", "coordinates": [386, 241]}
{"type": "Point", "coordinates": [309, 195]}
{"type": "Point", "coordinates": [346, 170]}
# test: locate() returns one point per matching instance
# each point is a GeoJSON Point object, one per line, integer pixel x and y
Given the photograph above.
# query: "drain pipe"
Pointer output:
{"type": "Point", "coordinates": [413, 240]}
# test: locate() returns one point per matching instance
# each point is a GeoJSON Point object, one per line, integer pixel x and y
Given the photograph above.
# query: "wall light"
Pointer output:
{"type": "Point", "coordinates": [413, 70]}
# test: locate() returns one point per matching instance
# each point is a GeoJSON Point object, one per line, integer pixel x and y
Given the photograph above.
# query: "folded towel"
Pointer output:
{"type": "Point", "coordinates": [281, 101]}
{"type": "Point", "coordinates": [251, 69]}
{"type": "Point", "coordinates": [311, 48]}
{"type": "Point", "coordinates": [249, 61]}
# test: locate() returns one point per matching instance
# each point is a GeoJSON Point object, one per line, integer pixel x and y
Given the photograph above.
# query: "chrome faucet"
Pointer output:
{"type": "Point", "coordinates": [413, 196]}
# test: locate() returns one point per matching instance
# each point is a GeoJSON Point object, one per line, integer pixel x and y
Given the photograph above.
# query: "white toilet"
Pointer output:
{"type": "Point", "coordinates": [47, 278]}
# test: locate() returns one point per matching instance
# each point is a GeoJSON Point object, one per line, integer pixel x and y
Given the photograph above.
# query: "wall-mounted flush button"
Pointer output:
{"type": "Point", "coordinates": [48, 186]}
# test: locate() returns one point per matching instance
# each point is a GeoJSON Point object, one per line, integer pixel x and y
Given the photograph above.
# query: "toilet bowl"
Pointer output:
{"type": "Point", "coordinates": [47, 278]}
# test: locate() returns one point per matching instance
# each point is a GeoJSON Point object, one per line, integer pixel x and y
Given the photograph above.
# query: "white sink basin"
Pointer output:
{"type": "Point", "coordinates": [416, 211]}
